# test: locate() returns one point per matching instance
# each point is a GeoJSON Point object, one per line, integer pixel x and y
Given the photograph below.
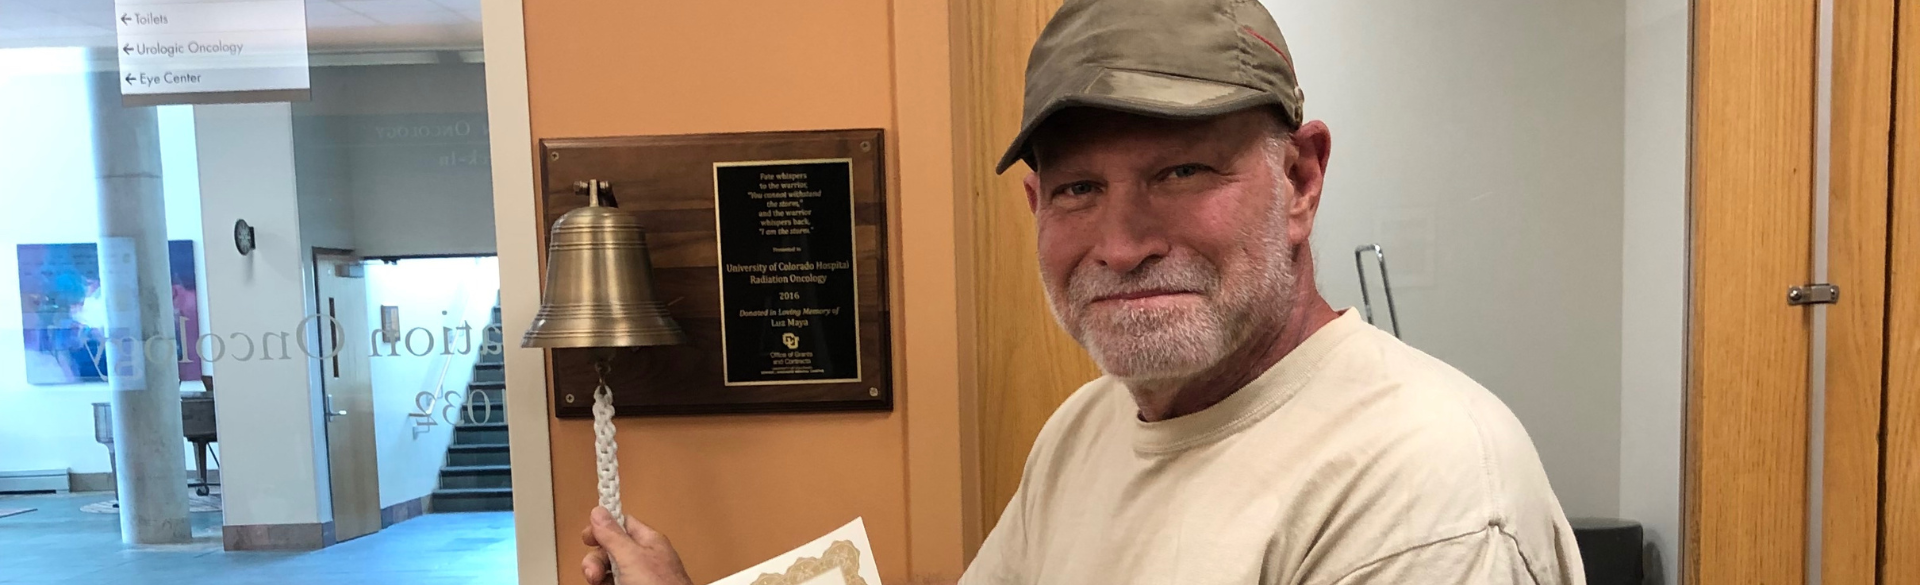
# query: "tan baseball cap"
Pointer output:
{"type": "Point", "coordinates": [1163, 58]}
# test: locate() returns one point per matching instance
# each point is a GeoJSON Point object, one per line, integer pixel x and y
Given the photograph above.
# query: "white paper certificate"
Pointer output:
{"type": "Point", "coordinates": [842, 557]}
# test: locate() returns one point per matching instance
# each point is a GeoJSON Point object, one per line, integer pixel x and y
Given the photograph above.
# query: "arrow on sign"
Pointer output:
{"type": "Point", "coordinates": [124, 19]}
{"type": "Point", "coordinates": [127, 49]}
{"type": "Point", "coordinates": [129, 79]}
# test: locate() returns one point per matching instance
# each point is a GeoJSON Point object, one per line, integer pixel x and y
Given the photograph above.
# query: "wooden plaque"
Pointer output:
{"type": "Point", "coordinates": [770, 250]}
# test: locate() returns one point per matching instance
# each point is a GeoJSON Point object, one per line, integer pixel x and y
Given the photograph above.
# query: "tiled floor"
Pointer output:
{"type": "Point", "coordinates": [61, 544]}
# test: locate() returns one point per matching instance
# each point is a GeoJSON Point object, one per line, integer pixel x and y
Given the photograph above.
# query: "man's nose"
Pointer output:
{"type": "Point", "coordinates": [1129, 233]}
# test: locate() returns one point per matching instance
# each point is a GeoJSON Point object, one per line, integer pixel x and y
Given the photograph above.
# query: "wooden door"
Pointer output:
{"type": "Point", "coordinates": [347, 395]}
{"type": "Point", "coordinates": [1855, 327]}
{"type": "Point", "coordinates": [1025, 366]}
{"type": "Point", "coordinates": [1899, 552]}
{"type": "Point", "coordinates": [1751, 197]}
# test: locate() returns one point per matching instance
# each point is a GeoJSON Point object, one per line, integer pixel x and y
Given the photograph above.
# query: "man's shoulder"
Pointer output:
{"type": "Point", "coordinates": [1422, 447]}
{"type": "Point", "coordinates": [1405, 398]}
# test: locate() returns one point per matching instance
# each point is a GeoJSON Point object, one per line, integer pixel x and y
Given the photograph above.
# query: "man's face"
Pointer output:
{"type": "Point", "coordinates": [1164, 244]}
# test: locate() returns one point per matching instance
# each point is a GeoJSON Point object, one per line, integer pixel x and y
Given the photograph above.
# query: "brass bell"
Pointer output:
{"type": "Point", "coordinates": [600, 282]}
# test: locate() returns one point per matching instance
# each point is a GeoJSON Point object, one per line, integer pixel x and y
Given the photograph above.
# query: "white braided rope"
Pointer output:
{"type": "Point", "coordinates": [606, 452]}
{"type": "Point", "coordinates": [606, 455]}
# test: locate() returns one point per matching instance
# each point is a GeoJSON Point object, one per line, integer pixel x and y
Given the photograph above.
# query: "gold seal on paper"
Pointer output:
{"type": "Point", "coordinates": [841, 555]}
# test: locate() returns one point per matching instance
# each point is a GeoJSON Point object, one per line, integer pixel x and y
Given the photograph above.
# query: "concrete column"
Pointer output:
{"type": "Point", "coordinates": [142, 368]}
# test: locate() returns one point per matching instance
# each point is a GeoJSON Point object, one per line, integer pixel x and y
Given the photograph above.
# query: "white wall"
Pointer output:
{"type": "Point", "coordinates": [431, 294]}
{"type": "Point", "coordinates": [273, 442]}
{"type": "Point", "coordinates": [1480, 141]}
{"type": "Point", "coordinates": [402, 150]}
{"type": "Point", "coordinates": [326, 215]}
{"type": "Point", "coordinates": [47, 158]}
{"type": "Point", "coordinates": [1654, 256]}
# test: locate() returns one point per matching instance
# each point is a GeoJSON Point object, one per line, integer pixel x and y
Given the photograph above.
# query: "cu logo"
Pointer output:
{"type": "Point", "coordinates": [790, 340]}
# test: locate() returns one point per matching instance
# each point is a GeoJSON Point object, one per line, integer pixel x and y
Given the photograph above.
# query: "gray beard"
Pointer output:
{"type": "Point", "coordinates": [1155, 347]}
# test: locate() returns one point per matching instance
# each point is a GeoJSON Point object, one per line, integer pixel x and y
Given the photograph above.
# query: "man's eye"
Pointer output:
{"type": "Point", "coordinates": [1082, 188]}
{"type": "Point", "coordinates": [1184, 171]}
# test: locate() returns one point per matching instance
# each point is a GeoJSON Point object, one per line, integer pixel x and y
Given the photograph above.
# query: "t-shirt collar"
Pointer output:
{"type": "Point", "coordinates": [1252, 402]}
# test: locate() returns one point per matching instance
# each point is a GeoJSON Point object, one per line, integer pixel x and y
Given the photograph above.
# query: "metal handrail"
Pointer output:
{"type": "Point", "coordinates": [440, 385]}
{"type": "Point", "coordinates": [1386, 284]}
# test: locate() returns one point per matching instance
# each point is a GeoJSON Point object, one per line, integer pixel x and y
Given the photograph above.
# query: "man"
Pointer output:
{"type": "Point", "coordinates": [1244, 432]}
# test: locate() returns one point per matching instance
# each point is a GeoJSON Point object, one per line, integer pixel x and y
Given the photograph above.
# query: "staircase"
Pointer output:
{"type": "Point", "coordinates": [477, 476]}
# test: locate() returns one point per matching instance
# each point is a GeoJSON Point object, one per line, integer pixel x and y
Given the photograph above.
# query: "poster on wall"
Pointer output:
{"type": "Point", "coordinates": [63, 316]}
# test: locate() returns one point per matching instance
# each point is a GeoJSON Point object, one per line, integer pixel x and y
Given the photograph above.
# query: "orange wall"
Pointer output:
{"type": "Point", "coordinates": [732, 491]}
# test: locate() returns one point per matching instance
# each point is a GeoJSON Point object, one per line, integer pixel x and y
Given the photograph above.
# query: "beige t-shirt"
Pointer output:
{"type": "Point", "coordinates": [1356, 459]}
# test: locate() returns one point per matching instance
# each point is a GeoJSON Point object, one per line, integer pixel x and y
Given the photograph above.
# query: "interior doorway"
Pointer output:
{"type": "Point", "coordinates": [412, 387]}
{"type": "Point", "coordinates": [438, 385]}
{"type": "Point", "coordinates": [346, 390]}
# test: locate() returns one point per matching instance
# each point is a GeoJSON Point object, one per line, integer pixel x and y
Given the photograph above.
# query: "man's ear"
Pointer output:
{"type": "Point", "coordinates": [1032, 183]}
{"type": "Point", "coordinates": [1312, 145]}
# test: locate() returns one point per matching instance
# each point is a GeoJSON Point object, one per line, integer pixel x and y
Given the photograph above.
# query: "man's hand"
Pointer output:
{"type": "Point", "coordinates": [643, 555]}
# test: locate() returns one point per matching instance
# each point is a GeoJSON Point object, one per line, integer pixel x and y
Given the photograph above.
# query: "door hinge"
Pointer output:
{"type": "Point", "coordinates": [1813, 294]}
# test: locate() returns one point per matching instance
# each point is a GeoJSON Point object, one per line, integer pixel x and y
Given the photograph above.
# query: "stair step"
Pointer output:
{"type": "Point", "coordinates": [475, 468]}
{"type": "Point", "coordinates": [480, 412]}
{"type": "Point", "coordinates": [477, 434]}
{"type": "Point", "coordinates": [472, 499]}
{"type": "Point", "coordinates": [495, 392]}
{"type": "Point", "coordinates": [495, 335]}
{"type": "Point", "coordinates": [490, 373]}
{"type": "Point", "coordinates": [473, 492]}
{"type": "Point", "coordinates": [478, 454]}
{"type": "Point", "coordinates": [476, 476]}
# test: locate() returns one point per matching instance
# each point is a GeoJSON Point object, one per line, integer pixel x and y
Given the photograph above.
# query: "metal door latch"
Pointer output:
{"type": "Point", "coordinates": [1813, 294]}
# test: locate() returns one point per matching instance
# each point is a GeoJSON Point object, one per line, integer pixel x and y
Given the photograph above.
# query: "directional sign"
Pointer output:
{"type": "Point", "coordinates": [203, 52]}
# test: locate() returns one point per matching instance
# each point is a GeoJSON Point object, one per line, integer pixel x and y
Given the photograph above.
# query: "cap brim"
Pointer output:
{"type": "Point", "coordinates": [1144, 93]}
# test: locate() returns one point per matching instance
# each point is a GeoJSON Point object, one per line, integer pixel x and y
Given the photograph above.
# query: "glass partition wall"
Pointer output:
{"type": "Point", "coordinates": [249, 342]}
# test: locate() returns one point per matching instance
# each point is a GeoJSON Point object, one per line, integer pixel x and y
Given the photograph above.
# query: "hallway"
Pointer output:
{"type": "Point", "coordinates": [58, 543]}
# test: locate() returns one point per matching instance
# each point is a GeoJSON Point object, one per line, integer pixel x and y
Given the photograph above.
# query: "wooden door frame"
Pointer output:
{"type": "Point", "coordinates": [1750, 215]}
{"type": "Point", "coordinates": [1863, 36]}
{"type": "Point", "coordinates": [1900, 472]}
{"type": "Point", "coordinates": [1753, 138]}
{"type": "Point", "coordinates": [516, 240]}
{"type": "Point", "coordinates": [1012, 384]}
{"type": "Point", "coordinates": [1750, 204]}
